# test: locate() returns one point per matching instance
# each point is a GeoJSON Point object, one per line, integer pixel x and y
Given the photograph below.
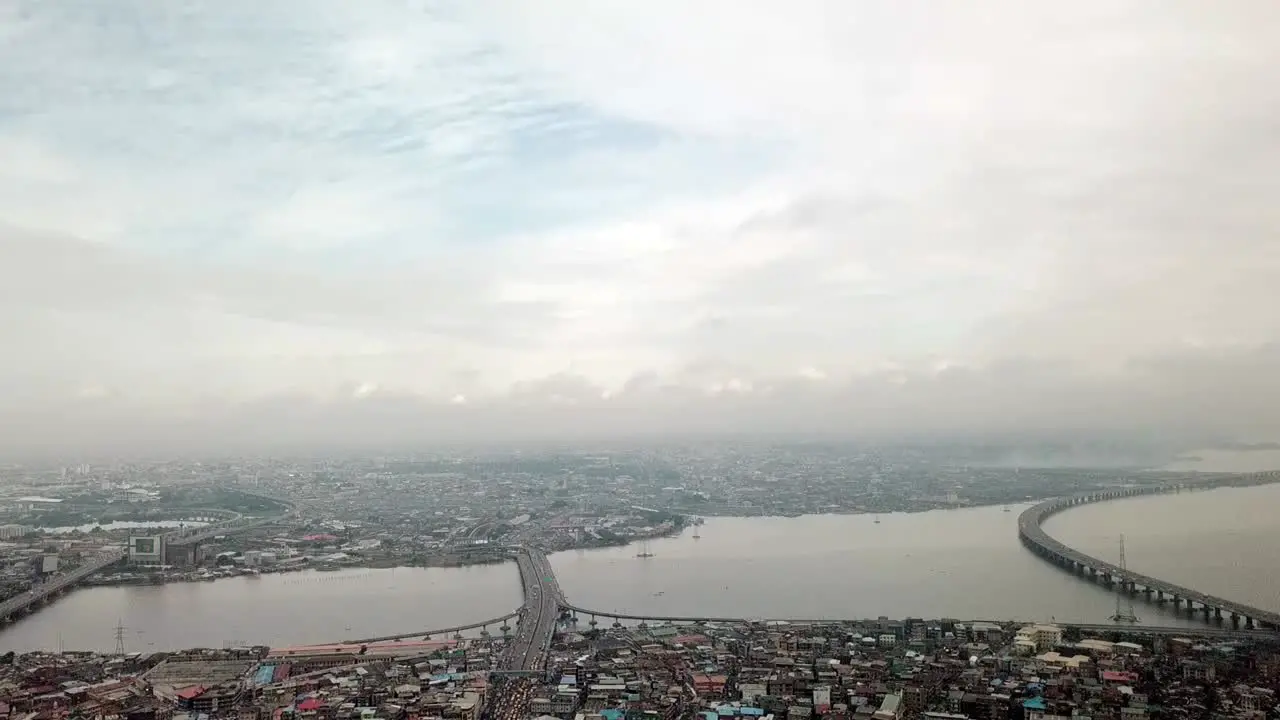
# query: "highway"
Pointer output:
{"type": "Point", "coordinates": [110, 556]}
{"type": "Point", "coordinates": [509, 697]}
{"type": "Point", "coordinates": [1032, 534]}
{"type": "Point", "coordinates": [542, 601]}
{"type": "Point", "coordinates": [21, 602]}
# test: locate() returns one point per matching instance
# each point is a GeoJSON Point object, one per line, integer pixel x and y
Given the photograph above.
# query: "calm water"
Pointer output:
{"type": "Point", "coordinates": [958, 563]}
{"type": "Point", "coordinates": [1221, 541]}
{"type": "Point", "coordinates": [285, 609]}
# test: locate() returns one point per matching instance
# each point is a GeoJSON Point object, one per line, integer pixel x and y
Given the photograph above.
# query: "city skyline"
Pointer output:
{"type": "Point", "coordinates": [328, 225]}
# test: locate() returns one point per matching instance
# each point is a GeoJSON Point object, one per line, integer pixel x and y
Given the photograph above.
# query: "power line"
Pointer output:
{"type": "Point", "coordinates": [1124, 613]}
{"type": "Point", "coordinates": [120, 628]}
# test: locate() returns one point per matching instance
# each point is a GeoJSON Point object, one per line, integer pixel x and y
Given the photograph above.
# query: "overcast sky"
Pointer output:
{"type": "Point", "coordinates": [321, 221]}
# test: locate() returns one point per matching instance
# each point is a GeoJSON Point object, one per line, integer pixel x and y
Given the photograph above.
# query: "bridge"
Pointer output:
{"type": "Point", "coordinates": [1032, 534]}
{"type": "Point", "coordinates": [483, 625]}
{"type": "Point", "coordinates": [543, 600]}
{"type": "Point", "coordinates": [44, 593]}
{"type": "Point", "coordinates": [224, 528]}
{"type": "Point", "coordinates": [39, 595]}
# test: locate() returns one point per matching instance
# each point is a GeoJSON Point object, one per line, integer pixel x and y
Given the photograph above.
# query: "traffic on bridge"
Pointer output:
{"type": "Point", "coordinates": [20, 604]}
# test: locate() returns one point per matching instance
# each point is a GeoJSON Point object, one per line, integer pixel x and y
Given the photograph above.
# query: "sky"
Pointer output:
{"type": "Point", "coordinates": [321, 223]}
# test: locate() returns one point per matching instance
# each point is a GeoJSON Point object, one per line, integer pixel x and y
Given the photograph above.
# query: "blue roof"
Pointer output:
{"type": "Point", "coordinates": [752, 712]}
{"type": "Point", "coordinates": [612, 714]}
{"type": "Point", "coordinates": [264, 675]}
{"type": "Point", "coordinates": [1035, 703]}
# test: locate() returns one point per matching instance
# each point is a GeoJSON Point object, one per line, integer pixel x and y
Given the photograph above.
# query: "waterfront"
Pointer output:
{"type": "Point", "coordinates": [955, 563]}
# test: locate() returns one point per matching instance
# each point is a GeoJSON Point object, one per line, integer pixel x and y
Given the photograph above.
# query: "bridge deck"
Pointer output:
{"type": "Point", "coordinates": [19, 603]}
{"type": "Point", "coordinates": [1031, 532]}
{"type": "Point", "coordinates": [437, 631]}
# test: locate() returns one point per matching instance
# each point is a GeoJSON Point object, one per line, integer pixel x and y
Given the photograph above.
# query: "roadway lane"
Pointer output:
{"type": "Point", "coordinates": [537, 626]}
{"type": "Point", "coordinates": [23, 601]}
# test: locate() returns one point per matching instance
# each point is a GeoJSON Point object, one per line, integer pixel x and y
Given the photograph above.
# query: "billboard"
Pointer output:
{"type": "Point", "coordinates": [50, 564]}
{"type": "Point", "coordinates": [146, 548]}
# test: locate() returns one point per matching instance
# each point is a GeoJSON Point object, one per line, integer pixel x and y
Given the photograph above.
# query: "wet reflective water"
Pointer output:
{"type": "Point", "coordinates": [296, 608]}
{"type": "Point", "coordinates": [959, 563]}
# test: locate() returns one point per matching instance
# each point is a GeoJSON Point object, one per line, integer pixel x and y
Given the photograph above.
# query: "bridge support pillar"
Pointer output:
{"type": "Point", "coordinates": [1248, 622]}
{"type": "Point", "coordinates": [1177, 602]}
{"type": "Point", "coordinates": [1217, 613]}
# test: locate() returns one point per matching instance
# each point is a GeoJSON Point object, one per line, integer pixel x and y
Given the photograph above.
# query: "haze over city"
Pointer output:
{"type": "Point", "coordinates": [327, 224]}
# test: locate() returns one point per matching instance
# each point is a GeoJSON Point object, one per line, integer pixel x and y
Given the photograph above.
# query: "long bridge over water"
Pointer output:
{"type": "Point", "coordinates": [1033, 535]}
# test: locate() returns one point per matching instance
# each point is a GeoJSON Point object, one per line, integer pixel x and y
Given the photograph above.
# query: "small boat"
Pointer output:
{"type": "Point", "coordinates": [877, 521]}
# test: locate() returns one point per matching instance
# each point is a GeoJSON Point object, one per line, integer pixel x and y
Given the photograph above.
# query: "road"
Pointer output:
{"type": "Point", "coordinates": [542, 601]}
{"type": "Point", "coordinates": [509, 697]}
{"type": "Point", "coordinates": [22, 601]}
{"type": "Point", "coordinates": [1032, 533]}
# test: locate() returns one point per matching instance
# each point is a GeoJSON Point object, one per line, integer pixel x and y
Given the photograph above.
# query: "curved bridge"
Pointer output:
{"type": "Point", "coordinates": [1038, 541]}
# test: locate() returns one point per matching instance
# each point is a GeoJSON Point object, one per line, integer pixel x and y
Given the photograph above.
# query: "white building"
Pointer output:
{"type": "Point", "coordinates": [1038, 637]}
{"type": "Point", "coordinates": [9, 532]}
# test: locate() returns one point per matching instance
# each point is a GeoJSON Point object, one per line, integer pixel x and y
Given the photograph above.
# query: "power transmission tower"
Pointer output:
{"type": "Point", "coordinates": [120, 628]}
{"type": "Point", "coordinates": [1124, 613]}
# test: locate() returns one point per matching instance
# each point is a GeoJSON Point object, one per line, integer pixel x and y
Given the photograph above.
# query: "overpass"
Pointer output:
{"type": "Point", "coordinates": [230, 526]}
{"type": "Point", "coordinates": [543, 600]}
{"type": "Point", "coordinates": [1032, 534]}
{"type": "Point", "coordinates": [227, 527]}
{"type": "Point", "coordinates": [39, 595]}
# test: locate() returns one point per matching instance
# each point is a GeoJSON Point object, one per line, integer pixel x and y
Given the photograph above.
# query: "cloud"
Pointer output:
{"type": "Point", "coordinates": [397, 221]}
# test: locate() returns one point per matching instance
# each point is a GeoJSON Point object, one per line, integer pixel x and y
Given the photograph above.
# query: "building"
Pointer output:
{"type": "Point", "coordinates": [10, 532]}
{"type": "Point", "coordinates": [890, 708]}
{"type": "Point", "coordinates": [1037, 638]}
{"type": "Point", "coordinates": [146, 550]}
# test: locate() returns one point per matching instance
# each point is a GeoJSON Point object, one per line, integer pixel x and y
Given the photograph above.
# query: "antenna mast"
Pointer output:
{"type": "Point", "coordinates": [120, 628]}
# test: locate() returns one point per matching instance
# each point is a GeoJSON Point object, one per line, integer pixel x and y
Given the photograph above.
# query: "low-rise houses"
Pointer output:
{"type": "Point", "coordinates": [668, 672]}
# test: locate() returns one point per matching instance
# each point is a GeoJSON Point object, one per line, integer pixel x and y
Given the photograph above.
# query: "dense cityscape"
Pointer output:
{"type": "Point", "coordinates": [158, 523]}
{"type": "Point", "coordinates": [589, 360]}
